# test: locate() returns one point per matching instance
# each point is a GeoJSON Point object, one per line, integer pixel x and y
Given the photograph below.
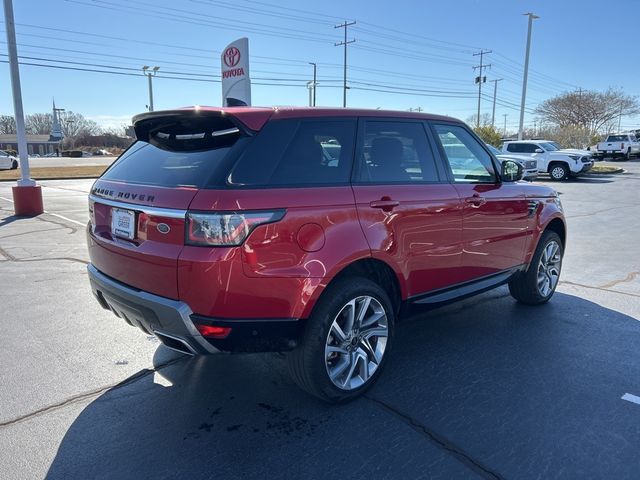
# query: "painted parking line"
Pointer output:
{"type": "Point", "coordinates": [631, 398]}
{"type": "Point", "coordinates": [53, 214]}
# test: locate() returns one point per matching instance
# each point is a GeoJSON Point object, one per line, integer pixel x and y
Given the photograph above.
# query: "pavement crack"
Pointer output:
{"type": "Point", "coordinates": [440, 441]}
{"type": "Point", "coordinates": [631, 276]}
{"type": "Point", "coordinates": [91, 393]}
{"type": "Point", "coordinates": [565, 282]}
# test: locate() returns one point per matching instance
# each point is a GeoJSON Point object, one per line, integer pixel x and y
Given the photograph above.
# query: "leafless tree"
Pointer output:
{"type": "Point", "coordinates": [589, 110]}
{"type": "Point", "coordinates": [485, 119]}
{"type": "Point", "coordinates": [39, 123]}
{"type": "Point", "coordinates": [74, 124]}
{"type": "Point", "coordinates": [7, 124]}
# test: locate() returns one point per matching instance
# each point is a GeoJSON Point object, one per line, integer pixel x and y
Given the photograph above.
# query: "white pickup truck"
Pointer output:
{"type": "Point", "coordinates": [620, 145]}
{"type": "Point", "coordinates": [559, 164]}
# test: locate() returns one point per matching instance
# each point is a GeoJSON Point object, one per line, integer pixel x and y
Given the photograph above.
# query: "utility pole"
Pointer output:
{"type": "Point", "coordinates": [495, 90]}
{"type": "Point", "coordinates": [532, 17]}
{"type": "Point", "coordinates": [27, 196]}
{"type": "Point", "coordinates": [314, 84]}
{"type": "Point", "coordinates": [504, 134]}
{"type": "Point", "coordinates": [480, 79]}
{"type": "Point", "coordinates": [150, 72]}
{"type": "Point", "coordinates": [345, 43]}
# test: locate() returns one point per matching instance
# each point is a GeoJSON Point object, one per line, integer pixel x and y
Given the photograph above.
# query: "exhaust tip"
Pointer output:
{"type": "Point", "coordinates": [175, 343]}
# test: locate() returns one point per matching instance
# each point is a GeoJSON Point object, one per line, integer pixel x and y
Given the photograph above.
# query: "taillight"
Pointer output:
{"type": "Point", "coordinates": [228, 229]}
{"type": "Point", "coordinates": [212, 331]}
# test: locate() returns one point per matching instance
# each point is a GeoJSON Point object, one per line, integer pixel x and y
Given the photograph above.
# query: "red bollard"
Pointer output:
{"type": "Point", "coordinates": [27, 200]}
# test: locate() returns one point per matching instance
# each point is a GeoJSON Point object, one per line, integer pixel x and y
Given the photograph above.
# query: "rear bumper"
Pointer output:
{"type": "Point", "coordinates": [173, 322]}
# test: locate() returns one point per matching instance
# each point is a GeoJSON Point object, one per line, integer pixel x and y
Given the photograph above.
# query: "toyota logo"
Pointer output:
{"type": "Point", "coordinates": [231, 57]}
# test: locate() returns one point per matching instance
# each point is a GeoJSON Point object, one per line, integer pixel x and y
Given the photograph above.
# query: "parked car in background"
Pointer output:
{"type": "Point", "coordinates": [529, 165]}
{"type": "Point", "coordinates": [578, 151]}
{"type": "Point", "coordinates": [619, 145]}
{"type": "Point", "coordinates": [558, 164]}
{"type": "Point", "coordinates": [309, 230]}
{"type": "Point", "coordinates": [7, 162]}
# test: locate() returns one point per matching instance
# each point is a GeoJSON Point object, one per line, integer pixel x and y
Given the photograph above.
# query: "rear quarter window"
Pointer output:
{"type": "Point", "coordinates": [297, 152]}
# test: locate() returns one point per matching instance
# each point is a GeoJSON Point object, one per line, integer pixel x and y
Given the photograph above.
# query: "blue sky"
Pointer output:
{"type": "Point", "coordinates": [419, 53]}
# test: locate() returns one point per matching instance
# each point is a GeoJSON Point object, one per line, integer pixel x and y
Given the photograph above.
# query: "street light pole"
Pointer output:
{"type": "Point", "coordinates": [313, 104]}
{"type": "Point", "coordinates": [150, 72]}
{"type": "Point", "coordinates": [504, 134]}
{"type": "Point", "coordinates": [27, 196]}
{"type": "Point", "coordinates": [532, 17]}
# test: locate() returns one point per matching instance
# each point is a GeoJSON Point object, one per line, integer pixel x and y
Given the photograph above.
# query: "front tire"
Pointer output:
{"type": "Point", "coordinates": [346, 341]}
{"type": "Point", "coordinates": [558, 172]}
{"type": "Point", "coordinates": [14, 165]}
{"type": "Point", "coordinates": [538, 283]}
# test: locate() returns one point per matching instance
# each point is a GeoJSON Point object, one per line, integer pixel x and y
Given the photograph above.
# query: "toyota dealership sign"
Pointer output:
{"type": "Point", "coordinates": [236, 84]}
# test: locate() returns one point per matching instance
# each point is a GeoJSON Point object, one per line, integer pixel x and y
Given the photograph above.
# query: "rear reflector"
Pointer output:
{"type": "Point", "coordinates": [213, 331]}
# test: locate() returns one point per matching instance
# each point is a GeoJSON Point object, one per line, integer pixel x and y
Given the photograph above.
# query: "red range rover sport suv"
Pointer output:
{"type": "Point", "coordinates": [310, 231]}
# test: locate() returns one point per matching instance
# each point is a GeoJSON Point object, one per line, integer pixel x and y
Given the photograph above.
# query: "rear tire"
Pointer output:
{"type": "Point", "coordinates": [558, 171]}
{"type": "Point", "coordinates": [628, 154]}
{"type": "Point", "coordinates": [335, 361]}
{"type": "Point", "coordinates": [538, 283]}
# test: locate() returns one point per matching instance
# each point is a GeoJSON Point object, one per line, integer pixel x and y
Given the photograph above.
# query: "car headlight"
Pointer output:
{"type": "Point", "coordinates": [574, 157]}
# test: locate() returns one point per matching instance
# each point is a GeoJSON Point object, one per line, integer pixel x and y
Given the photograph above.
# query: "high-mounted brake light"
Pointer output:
{"type": "Point", "coordinates": [228, 229]}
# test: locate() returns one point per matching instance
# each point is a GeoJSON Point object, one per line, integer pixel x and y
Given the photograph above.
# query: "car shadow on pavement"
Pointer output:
{"type": "Point", "coordinates": [483, 388]}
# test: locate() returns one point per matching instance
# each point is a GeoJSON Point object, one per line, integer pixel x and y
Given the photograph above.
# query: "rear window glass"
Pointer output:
{"type": "Point", "coordinates": [147, 164]}
{"type": "Point", "coordinates": [298, 153]}
{"type": "Point", "coordinates": [178, 151]}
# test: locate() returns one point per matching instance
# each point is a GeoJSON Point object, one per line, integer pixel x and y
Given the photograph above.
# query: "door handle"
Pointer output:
{"type": "Point", "coordinates": [385, 203]}
{"type": "Point", "coordinates": [475, 200]}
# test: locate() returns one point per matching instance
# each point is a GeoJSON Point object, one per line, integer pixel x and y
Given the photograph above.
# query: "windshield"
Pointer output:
{"type": "Point", "coordinates": [549, 147]}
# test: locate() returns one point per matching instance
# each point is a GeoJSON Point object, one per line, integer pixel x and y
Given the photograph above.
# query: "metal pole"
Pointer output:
{"type": "Point", "coordinates": [505, 124]}
{"type": "Point", "coordinates": [25, 180]}
{"type": "Point", "coordinates": [150, 92]}
{"type": "Point", "coordinates": [495, 91]}
{"type": "Point", "coordinates": [314, 84]}
{"type": "Point", "coordinates": [526, 73]}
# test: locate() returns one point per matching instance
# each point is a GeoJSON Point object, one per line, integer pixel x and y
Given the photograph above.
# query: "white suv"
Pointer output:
{"type": "Point", "coordinates": [559, 164]}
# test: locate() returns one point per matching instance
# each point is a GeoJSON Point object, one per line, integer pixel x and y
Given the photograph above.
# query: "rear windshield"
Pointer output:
{"type": "Point", "coordinates": [147, 164]}
{"type": "Point", "coordinates": [177, 152]}
{"type": "Point", "coordinates": [617, 138]}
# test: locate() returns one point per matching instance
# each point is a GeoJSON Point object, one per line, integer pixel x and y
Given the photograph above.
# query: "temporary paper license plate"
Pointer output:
{"type": "Point", "coordinates": [123, 223]}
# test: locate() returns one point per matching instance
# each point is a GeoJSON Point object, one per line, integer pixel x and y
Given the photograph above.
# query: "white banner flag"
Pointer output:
{"type": "Point", "coordinates": [236, 84]}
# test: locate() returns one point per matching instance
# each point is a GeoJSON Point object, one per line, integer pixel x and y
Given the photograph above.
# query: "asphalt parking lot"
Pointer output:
{"type": "Point", "coordinates": [485, 388]}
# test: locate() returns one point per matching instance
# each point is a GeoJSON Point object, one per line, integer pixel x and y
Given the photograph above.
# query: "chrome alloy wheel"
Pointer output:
{"type": "Point", "coordinates": [549, 268]}
{"type": "Point", "coordinates": [558, 173]}
{"type": "Point", "coordinates": [356, 342]}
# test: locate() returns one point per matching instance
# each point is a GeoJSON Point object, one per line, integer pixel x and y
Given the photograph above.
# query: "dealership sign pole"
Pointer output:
{"type": "Point", "coordinates": [27, 196]}
{"type": "Point", "coordinates": [236, 83]}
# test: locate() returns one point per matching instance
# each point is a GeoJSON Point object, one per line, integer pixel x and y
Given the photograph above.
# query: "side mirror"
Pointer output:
{"type": "Point", "coordinates": [539, 150]}
{"type": "Point", "coordinates": [511, 171]}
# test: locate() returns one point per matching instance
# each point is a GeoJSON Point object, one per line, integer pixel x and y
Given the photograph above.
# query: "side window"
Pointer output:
{"type": "Point", "coordinates": [514, 148]}
{"type": "Point", "coordinates": [469, 161]}
{"type": "Point", "coordinates": [298, 153]}
{"type": "Point", "coordinates": [532, 147]}
{"type": "Point", "coordinates": [396, 152]}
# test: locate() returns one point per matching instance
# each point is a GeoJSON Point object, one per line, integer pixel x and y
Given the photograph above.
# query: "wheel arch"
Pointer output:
{"type": "Point", "coordinates": [557, 225]}
{"type": "Point", "coordinates": [375, 270]}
